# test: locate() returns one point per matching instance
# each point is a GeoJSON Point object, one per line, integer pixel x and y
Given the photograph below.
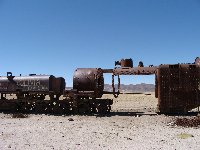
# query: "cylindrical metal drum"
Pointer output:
{"type": "Point", "coordinates": [32, 84]}
{"type": "Point", "coordinates": [125, 63]}
{"type": "Point", "coordinates": [89, 80]}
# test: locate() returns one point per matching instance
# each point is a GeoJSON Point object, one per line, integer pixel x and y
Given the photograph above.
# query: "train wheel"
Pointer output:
{"type": "Point", "coordinates": [84, 108]}
{"type": "Point", "coordinates": [101, 109]}
{"type": "Point", "coordinates": [41, 108]}
{"type": "Point", "coordinates": [93, 109]}
{"type": "Point", "coordinates": [27, 107]}
{"type": "Point", "coordinates": [65, 108]}
{"type": "Point", "coordinates": [60, 108]}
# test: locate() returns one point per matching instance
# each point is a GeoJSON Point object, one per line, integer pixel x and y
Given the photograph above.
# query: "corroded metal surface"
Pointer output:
{"type": "Point", "coordinates": [89, 80]}
{"type": "Point", "coordinates": [135, 71]}
{"type": "Point", "coordinates": [178, 87]}
{"type": "Point", "coordinates": [32, 86]}
{"type": "Point", "coordinates": [65, 106]}
{"type": "Point", "coordinates": [34, 83]}
{"type": "Point", "coordinates": [126, 68]}
{"type": "Point", "coordinates": [125, 63]}
{"type": "Point", "coordinates": [115, 94]}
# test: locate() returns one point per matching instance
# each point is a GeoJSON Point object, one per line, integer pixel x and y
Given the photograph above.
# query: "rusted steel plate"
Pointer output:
{"type": "Point", "coordinates": [135, 71]}
{"type": "Point", "coordinates": [107, 70]}
{"type": "Point", "coordinates": [178, 87]}
{"type": "Point", "coordinates": [58, 85]}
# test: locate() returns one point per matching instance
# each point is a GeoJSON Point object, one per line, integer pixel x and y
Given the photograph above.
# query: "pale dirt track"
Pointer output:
{"type": "Point", "coordinates": [132, 125]}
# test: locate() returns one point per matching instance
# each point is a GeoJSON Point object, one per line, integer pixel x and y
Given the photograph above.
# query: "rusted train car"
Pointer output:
{"type": "Point", "coordinates": [178, 87]}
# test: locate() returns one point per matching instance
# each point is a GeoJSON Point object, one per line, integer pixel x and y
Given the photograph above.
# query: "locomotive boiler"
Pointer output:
{"type": "Point", "coordinates": [88, 86]}
{"type": "Point", "coordinates": [89, 82]}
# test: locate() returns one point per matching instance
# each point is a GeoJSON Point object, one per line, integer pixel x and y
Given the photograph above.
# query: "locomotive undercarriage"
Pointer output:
{"type": "Point", "coordinates": [68, 105]}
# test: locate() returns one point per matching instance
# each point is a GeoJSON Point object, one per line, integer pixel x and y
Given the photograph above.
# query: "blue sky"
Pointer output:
{"type": "Point", "coordinates": [58, 36]}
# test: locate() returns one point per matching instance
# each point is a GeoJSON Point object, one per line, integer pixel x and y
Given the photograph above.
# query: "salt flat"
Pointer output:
{"type": "Point", "coordinates": [131, 125]}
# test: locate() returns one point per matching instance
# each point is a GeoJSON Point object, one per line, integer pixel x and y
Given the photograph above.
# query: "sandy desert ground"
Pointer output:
{"type": "Point", "coordinates": [132, 124]}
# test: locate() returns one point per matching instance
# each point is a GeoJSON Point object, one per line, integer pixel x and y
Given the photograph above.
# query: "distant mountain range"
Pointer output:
{"type": "Point", "coordinates": [132, 88]}
{"type": "Point", "coordinates": [143, 87]}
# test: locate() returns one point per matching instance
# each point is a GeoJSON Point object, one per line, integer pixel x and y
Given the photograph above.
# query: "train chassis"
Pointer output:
{"type": "Point", "coordinates": [68, 105]}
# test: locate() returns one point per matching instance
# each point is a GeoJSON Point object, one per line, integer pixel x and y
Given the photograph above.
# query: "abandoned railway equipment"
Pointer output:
{"type": "Point", "coordinates": [177, 87]}
{"type": "Point", "coordinates": [33, 86]}
{"type": "Point", "coordinates": [127, 68]}
{"type": "Point", "coordinates": [135, 71]}
{"type": "Point", "coordinates": [89, 82]}
{"type": "Point", "coordinates": [30, 92]}
{"type": "Point", "coordinates": [125, 63]}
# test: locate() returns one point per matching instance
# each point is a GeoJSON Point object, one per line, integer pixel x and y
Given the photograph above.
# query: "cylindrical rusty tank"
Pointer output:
{"type": "Point", "coordinates": [125, 63]}
{"type": "Point", "coordinates": [89, 80]}
{"type": "Point", "coordinates": [32, 84]}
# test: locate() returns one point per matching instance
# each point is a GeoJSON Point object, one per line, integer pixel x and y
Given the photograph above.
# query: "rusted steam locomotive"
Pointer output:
{"type": "Point", "coordinates": [30, 93]}
{"type": "Point", "coordinates": [177, 87]}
